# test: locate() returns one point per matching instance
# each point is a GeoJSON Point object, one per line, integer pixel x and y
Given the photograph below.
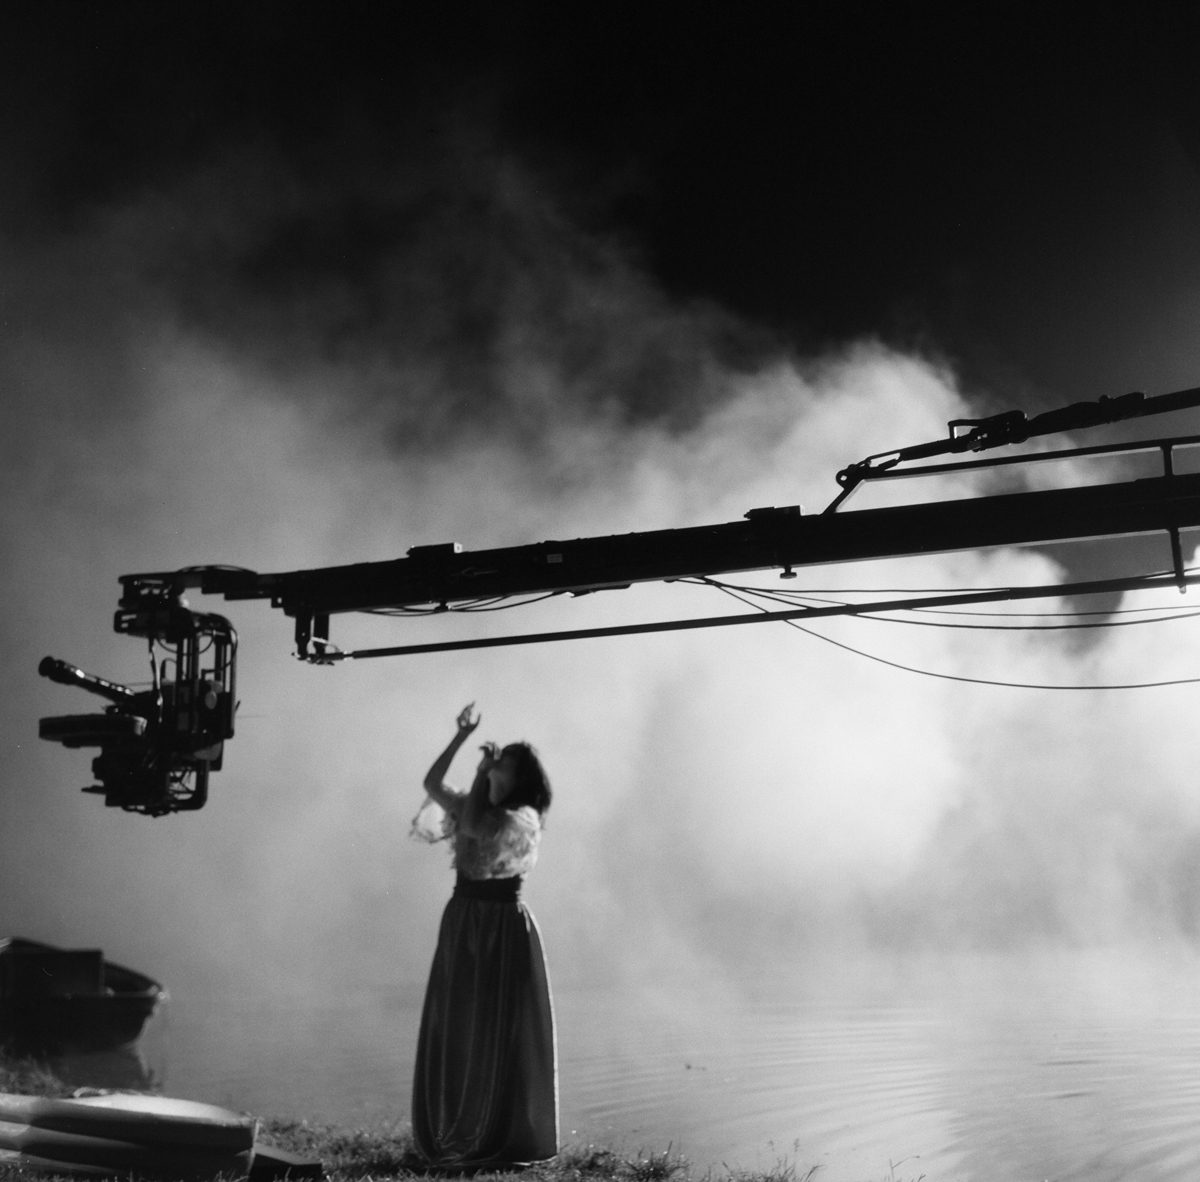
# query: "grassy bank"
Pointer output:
{"type": "Point", "coordinates": [365, 1155]}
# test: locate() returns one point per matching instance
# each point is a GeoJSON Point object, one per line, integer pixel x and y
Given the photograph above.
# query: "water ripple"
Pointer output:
{"type": "Point", "coordinates": [1074, 1072]}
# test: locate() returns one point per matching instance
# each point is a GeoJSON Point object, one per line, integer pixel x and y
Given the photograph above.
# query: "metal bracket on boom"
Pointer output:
{"type": "Point", "coordinates": [1011, 427]}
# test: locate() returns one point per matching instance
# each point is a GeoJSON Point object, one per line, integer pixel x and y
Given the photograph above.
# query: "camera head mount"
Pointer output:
{"type": "Point", "coordinates": [157, 744]}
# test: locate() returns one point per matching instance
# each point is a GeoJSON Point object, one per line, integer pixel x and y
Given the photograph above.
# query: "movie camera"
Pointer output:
{"type": "Point", "coordinates": [158, 744]}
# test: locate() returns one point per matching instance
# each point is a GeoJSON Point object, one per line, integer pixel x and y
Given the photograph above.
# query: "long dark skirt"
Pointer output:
{"type": "Point", "coordinates": [485, 1090]}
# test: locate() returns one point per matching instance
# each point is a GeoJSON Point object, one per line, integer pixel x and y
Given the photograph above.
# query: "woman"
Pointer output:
{"type": "Point", "coordinates": [485, 1091]}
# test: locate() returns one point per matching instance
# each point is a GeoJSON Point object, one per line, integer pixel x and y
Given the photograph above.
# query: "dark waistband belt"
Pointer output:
{"type": "Point", "coordinates": [499, 890]}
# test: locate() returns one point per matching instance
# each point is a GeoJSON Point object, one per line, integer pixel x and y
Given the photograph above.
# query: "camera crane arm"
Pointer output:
{"type": "Point", "coordinates": [442, 576]}
{"type": "Point", "coordinates": [176, 730]}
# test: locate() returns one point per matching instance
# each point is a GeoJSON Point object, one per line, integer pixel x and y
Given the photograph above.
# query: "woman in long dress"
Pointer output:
{"type": "Point", "coordinates": [485, 1089]}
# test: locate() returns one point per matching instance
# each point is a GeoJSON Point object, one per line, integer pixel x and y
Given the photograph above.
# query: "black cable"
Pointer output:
{"type": "Point", "coordinates": [958, 677]}
{"type": "Point", "coordinates": [491, 604]}
{"type": "Point", "coordinates": [1036, 627]}
{"type": "Point", "coordinates": [762, 615]}
{"type": "Point", "coordinates": [1107, 622]}
{"type": "Point", "coordinates": [816, 593]}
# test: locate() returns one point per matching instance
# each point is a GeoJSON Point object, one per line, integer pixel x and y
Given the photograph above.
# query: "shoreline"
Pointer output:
{"type": "Point", "coordinates": [357, 1154]}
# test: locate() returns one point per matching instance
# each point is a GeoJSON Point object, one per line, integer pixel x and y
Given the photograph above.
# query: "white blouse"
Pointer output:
{"type": "Point", "coordinates": [506, 847]}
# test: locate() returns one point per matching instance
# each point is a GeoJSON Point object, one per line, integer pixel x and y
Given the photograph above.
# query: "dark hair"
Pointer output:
{"type": "Point", "coordinates": [531, 787]}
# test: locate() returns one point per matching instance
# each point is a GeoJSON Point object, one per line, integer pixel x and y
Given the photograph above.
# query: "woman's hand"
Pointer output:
{"type": "Point", "coordinates": [491, 753]}
{"type": "Point", "coordinates": [435, 778]}
{"type": "Point", "coordinates": [466, 724]}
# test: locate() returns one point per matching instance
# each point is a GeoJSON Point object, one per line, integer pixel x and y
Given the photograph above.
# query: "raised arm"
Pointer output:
{"type": "Point", "coordinates": [435, 783]}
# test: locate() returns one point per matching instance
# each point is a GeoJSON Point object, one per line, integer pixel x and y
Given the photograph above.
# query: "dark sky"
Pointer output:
{"type": "Point", "coordinates": [1012, 184]}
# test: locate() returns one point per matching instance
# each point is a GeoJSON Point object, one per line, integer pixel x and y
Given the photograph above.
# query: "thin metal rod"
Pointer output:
{"type": "Point", "coordinates": [874, 476]}
{"type": "Point", "coordinates": [1094, 587]}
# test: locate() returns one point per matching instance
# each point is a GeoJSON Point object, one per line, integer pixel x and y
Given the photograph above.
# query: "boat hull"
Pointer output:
{"type": "Point", "coordinates": [56, 1001]}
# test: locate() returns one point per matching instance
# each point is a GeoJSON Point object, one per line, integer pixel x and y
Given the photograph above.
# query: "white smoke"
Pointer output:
{"type": "Point", "coordinates": [493, 375]}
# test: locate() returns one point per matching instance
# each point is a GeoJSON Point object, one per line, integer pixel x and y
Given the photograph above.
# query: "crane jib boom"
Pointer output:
{"type": "Point", "coordinates": [767, 538]}
{"type": "Point", "coordinates": [773, 537]}
{"type": "Point", "coordinates": [157, 746]}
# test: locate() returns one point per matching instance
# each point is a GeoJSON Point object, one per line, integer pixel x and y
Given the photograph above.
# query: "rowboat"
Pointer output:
{"type": "Point", "coordinates": [70, 1000]}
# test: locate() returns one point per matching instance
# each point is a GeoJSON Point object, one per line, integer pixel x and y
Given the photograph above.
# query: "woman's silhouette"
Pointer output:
{"type": "Point", "coordinates": [485, 1091]}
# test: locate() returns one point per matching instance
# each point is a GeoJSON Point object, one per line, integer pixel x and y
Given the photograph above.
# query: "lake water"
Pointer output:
{"type": "Point", "coordinates": [1082, 1067]}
